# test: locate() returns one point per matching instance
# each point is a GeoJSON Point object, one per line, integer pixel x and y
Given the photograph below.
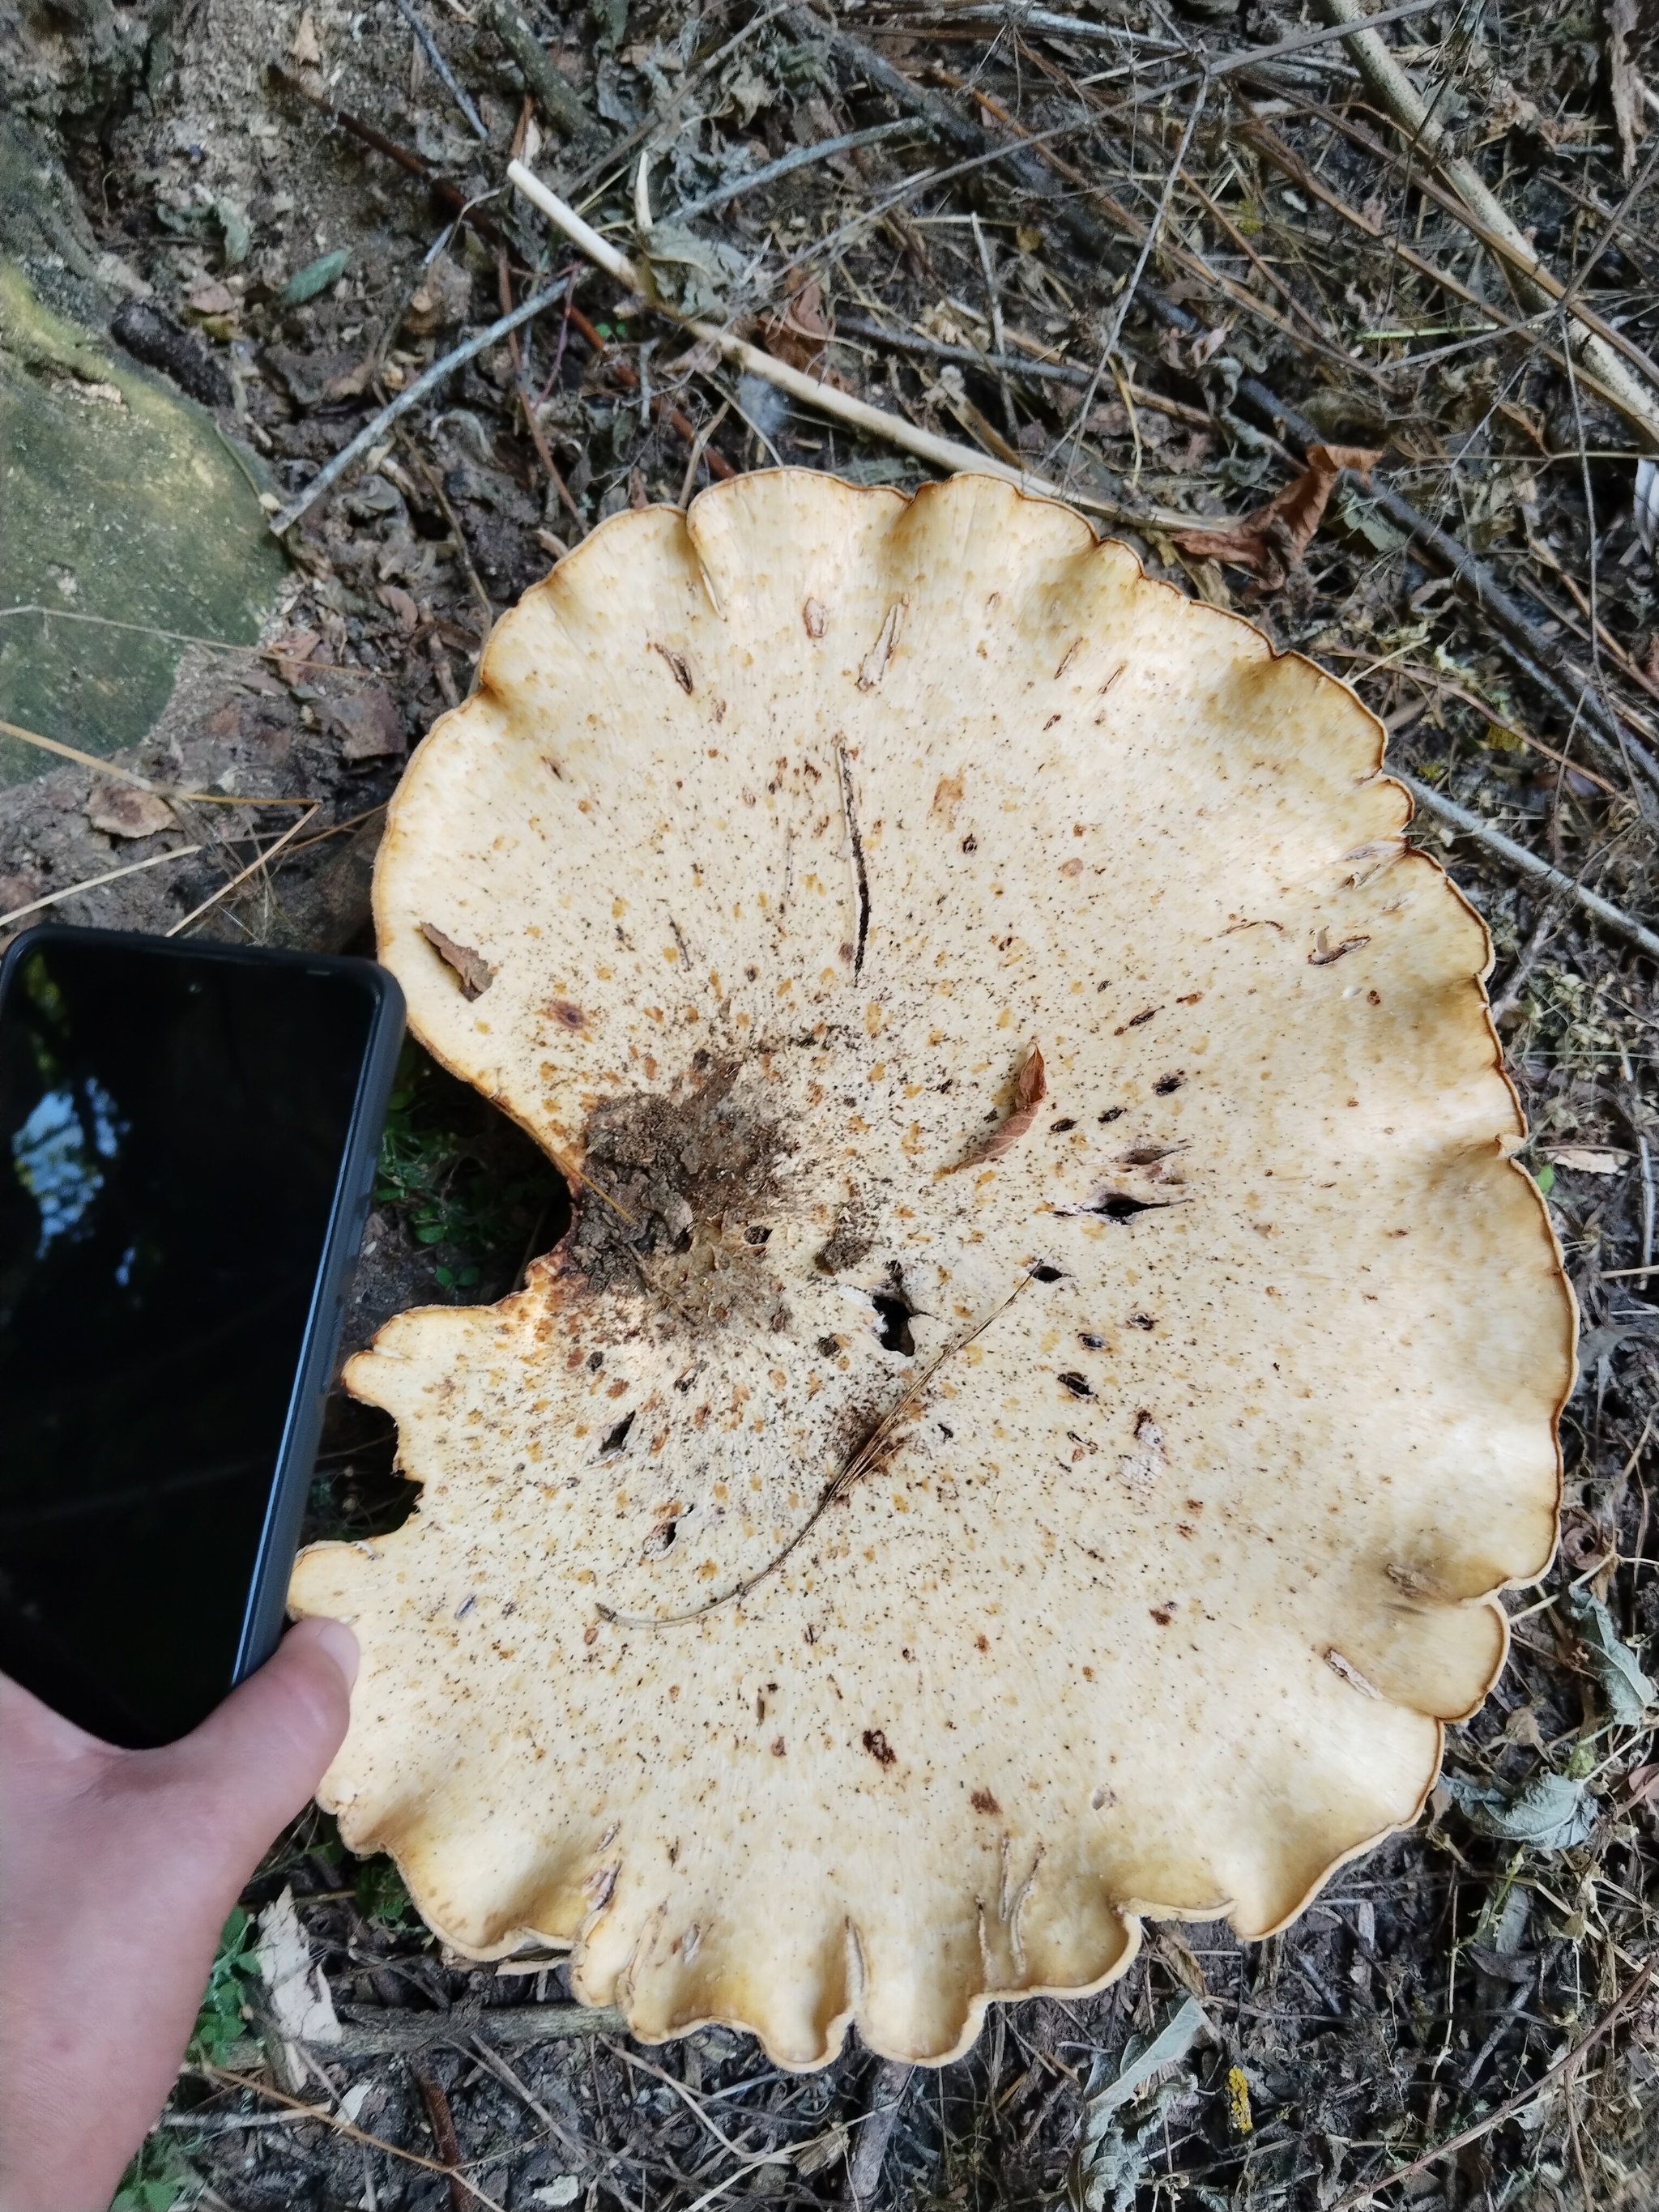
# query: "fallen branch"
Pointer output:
{"type": "Point", "coordinates": [940, 452]}
{"type": "Point", "coordinates": [434, 54]}
{"type": "Point", "coordinates": [1510, 2106]}
{"type": "Point", "coordinates": [802, 157]}
{"type": "Point", "coordinates": [410, 396]}
{"type": "Point", "coordinates": [1607, 350]}
{"type": "Point", "coordinates": [1537, 657]}
{"type": "Point", "coordinates": [1283, 158]}
{"type": "Point", "coordinates": [1034, 367]}
{"type": "Point", "coordinates": [559, 102]}
{"type": "Point", "coordinates": [444, 188]}
{"type": "Point", "coordinates": [1529, 864]}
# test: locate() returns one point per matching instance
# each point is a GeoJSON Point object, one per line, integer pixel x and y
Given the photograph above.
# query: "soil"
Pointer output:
{"type": "Point", "coordinates": [211, 163]}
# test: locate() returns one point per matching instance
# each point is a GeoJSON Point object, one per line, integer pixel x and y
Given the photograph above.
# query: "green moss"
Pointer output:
{"type": "Point", "coordinates": [122, 499]}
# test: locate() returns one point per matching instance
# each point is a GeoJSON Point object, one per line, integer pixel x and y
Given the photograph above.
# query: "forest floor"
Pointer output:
{"type": "Point", "coordinates": [1148, 258]}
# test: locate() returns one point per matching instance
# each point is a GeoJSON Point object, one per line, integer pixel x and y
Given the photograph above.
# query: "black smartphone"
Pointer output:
{"type": "Point", "coordinates": [188, 1136]}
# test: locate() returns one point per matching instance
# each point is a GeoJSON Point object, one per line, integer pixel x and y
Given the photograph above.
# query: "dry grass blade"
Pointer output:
{"type": "Point", "coordinates": [94, 883]}
{"type": "Point", "coordinates": [320, 2113]}
{"type": "Point", "coordinates": [1510, 2106]}
{"type": "Point", "coordinates": [942, 453]}
{"type": "Point", "coordinates": [253, 868]}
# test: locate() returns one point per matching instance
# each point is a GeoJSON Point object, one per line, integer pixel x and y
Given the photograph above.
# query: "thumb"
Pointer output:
{"type": "Point", "coordinates": [254, 1761]}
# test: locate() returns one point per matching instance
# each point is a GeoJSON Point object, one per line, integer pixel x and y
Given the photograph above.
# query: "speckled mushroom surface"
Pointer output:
{"type": "Point", "coordinates": [1053, 1358]}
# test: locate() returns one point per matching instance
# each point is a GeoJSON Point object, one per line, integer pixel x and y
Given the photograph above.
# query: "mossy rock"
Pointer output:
{"type": "Point", "coordinates": [122, 499]}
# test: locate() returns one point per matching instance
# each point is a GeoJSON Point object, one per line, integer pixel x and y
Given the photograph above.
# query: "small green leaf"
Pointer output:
{"type": "Point", "coordinates": [219, 2022]}
{"type": "Point", "coordinates": [316, 277]}
{"type": "Point", "coordinates": [239, 232]}
{"type": "Point", "coordinates": [1544, 1178]}
{"type": "Point", "coordinates": [381, 1895]}
{"type": "Point", "coordinates": [1551, 1812]}
{"type": "Point", "coordinates": [1626, 1692]}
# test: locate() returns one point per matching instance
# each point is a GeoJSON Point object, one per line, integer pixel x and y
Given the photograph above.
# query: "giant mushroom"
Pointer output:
{"type": "Point", "coordinates": [1053, 1359]}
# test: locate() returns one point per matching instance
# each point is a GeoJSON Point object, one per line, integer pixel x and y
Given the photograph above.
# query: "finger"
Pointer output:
{"type": "Point", "coordinates": [252, 1765]}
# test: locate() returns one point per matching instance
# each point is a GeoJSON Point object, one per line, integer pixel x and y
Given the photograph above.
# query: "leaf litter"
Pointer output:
{"type": "Point", "coordinates": [320, 273]}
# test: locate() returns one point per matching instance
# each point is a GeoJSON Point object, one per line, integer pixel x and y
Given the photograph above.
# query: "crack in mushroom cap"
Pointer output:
{"type": "Point", "coordinates": [866, 1569]}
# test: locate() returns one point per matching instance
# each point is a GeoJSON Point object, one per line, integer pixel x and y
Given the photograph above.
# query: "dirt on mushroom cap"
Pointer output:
{"type": "Point", "coordinates": [790, 831]}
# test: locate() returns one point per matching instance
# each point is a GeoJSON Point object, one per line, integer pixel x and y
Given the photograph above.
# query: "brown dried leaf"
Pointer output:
{"type": "Point", "coordinates": [121, 810]}
{"type": "Point", "coordinates": [800, 333]}
{"type": "Point", "coordinates": [368, 723]}
{"type": "Point", "coordinates": [399, 602]}
{"type": "Point", "coordinates": [210, 297]}
{"type": "Point", "coordinates": [474, 971]}
{"type": "Point", "coordinates": [1271, 541]}
{"type": "Point", "coordinates": [1030, 1089]}
{"type": "Point", "coordinates": [289, 651]}
{"type": "Point", "coordinates": [1625, 79]}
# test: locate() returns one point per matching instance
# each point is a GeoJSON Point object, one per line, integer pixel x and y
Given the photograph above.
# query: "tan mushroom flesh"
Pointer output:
{"type": "Point", "coordinates": [1052, 1358]}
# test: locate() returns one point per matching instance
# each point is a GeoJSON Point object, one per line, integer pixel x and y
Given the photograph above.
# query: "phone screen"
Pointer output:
{"type": "Point", "coordinates": [172, 1129]}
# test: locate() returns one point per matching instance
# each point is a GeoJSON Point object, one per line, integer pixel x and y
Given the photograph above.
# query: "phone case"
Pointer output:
{"type": "Point", "coordinates": [261, 1618]}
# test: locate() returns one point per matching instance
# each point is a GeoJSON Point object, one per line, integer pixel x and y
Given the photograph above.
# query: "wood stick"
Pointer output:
{"type": "Point", "coordinates": [1510, 2106]}
{"type": "Point", "coordinates": [1607, 352]}
{"type": "Point", "coordinates": [251, 869]}
{"type": "Point", "coordinates": [942, 453]}
{"type": "Point", "coordinates": [1529, 864]}
{"type": "Point", "coordinates": [132, 775]}
{"type": "Point", "coordinates": [1033, 169]}
{"type": "Point", "coordinates": [1283, 158]}
{"type": "Point", "coordinates": [285, 517]}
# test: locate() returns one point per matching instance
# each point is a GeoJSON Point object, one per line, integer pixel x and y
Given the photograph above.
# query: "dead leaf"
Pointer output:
{"type": "Point", "coordinates": [800, 333]}
{"type": "Point", "coordinates": [305, 49]}
{"type": "Point", "coordinates": [210, 297]}
{"type": "Point", "coordinates": [1181, 1962]}
{"type": "Point", "coordinates": [393, 596]}
{"type": "Point", "coordinates": [19, 891]}
{"type": "Point", "coordinates": [122, 810]}
{"type": "Point", "coordinates": [288, 652]}
{"type": "Point", "coordinates": [352, 383]}
{"type": "Point", "coordinates": [1272, 540]}
{"type": "Point", "coordinates": [441, 300]}
{"type": "Point", "coordinates": [1030, 1089]}
{"type": "Point", "coordinates": [301, 2010]}
{"type": "Point", "coordinates": [474, 971]}
{"type": "Point", "coordinates": [1625, 79]}
{"type": "Point", "coordinates": [369, 724]}
{"type": "Point", "coordinates": [1584, 1160]}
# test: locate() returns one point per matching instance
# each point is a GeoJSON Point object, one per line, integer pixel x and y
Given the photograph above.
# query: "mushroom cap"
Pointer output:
{"type": "Point", "coordinates": [1053, 1358]}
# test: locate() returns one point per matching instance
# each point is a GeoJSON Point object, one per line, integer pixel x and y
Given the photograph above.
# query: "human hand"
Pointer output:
{"type": "Point", "coordinates": [116, 1871]}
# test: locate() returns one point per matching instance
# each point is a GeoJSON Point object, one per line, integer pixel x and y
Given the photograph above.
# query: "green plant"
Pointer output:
{"type": "Point", "coordinates": [476, 1189]}
{"type": "Point", "coordinates": [158, 2179]}
{"type": "Point", "coordinates": [381, 1896]}
{"type": "Point", "coordinates": [221, 2019]}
